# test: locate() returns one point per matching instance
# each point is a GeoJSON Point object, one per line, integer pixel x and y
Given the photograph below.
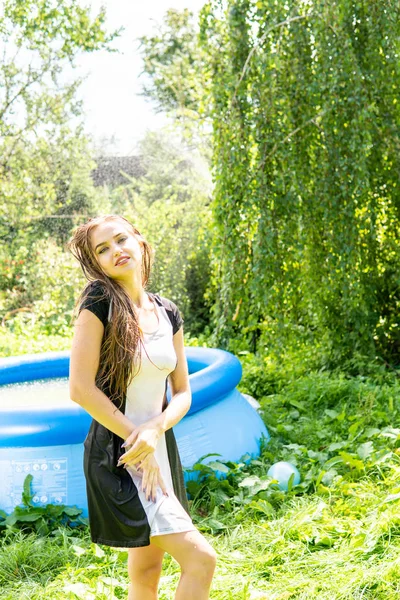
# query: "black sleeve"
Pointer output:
{"type": "Point", "coordinates": [96, 301]}
{"type": "Point", "coordinates": [177, 318]}
{"type": "Point", "coordinates": [172, 311]}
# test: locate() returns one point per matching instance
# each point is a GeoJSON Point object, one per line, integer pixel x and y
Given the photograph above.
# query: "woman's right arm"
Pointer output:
{"type": "Point", "coordinates": [84, 363]}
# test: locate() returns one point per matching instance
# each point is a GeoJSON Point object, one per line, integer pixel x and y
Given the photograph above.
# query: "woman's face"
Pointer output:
{"type": "Point", "coordinates": [111, 241]}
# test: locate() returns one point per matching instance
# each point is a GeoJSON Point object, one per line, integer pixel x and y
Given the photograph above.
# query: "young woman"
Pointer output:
{"type": "Point", "coordinates": [126, 343]}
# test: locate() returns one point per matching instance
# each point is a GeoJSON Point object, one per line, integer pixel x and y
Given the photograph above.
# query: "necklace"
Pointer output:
{"type": "Point", "coordinates": [153, 309]}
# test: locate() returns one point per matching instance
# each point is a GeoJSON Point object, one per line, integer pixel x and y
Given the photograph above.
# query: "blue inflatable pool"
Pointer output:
{"type": "Point", "coordinates": [42, 430]}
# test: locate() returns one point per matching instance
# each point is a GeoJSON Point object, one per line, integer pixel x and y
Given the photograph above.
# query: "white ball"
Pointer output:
{"type": "Point", "coordinates": [282, 471]}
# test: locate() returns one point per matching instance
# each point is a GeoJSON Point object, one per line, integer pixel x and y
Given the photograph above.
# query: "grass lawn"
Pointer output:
{"type": "Point", "coordinates": [341, 544]}
{"type": "Point", "coordinates": [334, 536]}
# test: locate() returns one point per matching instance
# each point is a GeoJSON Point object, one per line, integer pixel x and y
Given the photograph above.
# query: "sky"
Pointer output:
{"type": "Point", "coordinates": [110, 94]}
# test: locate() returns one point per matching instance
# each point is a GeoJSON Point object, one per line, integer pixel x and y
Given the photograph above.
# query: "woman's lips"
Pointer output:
{"type": "Point", "coordinates": [122, 262]}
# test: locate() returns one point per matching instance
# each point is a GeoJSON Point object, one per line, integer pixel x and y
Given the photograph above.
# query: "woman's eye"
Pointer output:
{"type": "Point", "coordinates": [119, 241]}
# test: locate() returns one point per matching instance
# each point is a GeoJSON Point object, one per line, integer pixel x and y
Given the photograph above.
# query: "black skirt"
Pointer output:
{"type": "Point", "coordinates": [116, 515]}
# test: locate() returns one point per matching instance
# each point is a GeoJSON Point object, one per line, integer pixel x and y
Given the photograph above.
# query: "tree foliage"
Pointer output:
{"type": "Point", "coordinates": [170, 205]}
{"type": "Point", "coordinates": [306, 135]}
{"type": "Point", "coordinates": [172, 59]}
{"type": "Point", "coordinates": [177, 75]}
{"type": "Point", "coordinates": [45, 160]}
{"type": "Point", "coordinates": [41, 40]}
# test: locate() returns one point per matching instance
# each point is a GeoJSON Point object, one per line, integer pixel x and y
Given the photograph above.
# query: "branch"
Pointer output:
{"type": "Point", "coordinates": [292, 133]}
{"type": "Point", "coordinates": [29, 125]}
{"type": "Point", "coordinates": [313, 120]}
{"type": "Point", "coordinates": [14, 311]}
{"type": "Point", "coordinates": [260, 41]}
{"type": "Point", "coordinates": [30, 81]}
{"type": "Point", "coordinates": [59, 216]}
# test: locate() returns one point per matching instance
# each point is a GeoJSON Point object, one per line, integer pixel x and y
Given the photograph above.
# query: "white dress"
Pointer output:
{"type": "Point", "coordinates": [144, 401]}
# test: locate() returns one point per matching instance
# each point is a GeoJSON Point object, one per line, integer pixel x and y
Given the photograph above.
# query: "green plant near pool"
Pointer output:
{"type": "Point", "coordinates": [40, 519]}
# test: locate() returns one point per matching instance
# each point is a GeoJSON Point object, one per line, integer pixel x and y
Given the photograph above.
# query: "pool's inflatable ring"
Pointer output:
{"type": "Point", "coordinates": [46, 440]}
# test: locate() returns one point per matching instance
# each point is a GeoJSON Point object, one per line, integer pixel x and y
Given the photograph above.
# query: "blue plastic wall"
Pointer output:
{"type": "Point", "coordinates": [48, 441]}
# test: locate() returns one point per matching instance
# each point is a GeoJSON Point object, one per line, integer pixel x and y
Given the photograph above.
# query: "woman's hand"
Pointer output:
{"type": "Point", "coordinates": [143, 441]}
{"type": "Point", "coordinates": [151, 477]}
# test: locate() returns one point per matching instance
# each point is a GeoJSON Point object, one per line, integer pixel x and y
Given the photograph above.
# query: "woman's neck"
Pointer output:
{"type": "Point", "coordinates": [136, 292]}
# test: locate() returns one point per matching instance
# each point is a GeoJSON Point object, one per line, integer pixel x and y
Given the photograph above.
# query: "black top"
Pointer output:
{"type": "Point", "coordinates": [116, 516]}
{"type": "Point", "coordinates": [98, 303]}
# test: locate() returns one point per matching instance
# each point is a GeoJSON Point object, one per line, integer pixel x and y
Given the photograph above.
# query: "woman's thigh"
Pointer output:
{"type": "Point", "coordinates": [190, 549]}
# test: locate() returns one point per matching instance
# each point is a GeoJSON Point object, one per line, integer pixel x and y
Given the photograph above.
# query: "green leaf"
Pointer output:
{"type": "Point", "coordinates": [324, 541]}
{"type": "Point", "coordinates": [99, 552]}
{"type": "Point", "coordinates": [27, 510]}
{"type": "Point", "coordinates": [79, 551]}
{"type": "Point", "coordinates": [28, 518]}
{"type": "Point", "coordinates": [335, 460]}
{"type": "Point", "coordinates": [297, 404]}
{"type": "Point", "coordinates": [27, 495]}
{"type": "Point", "coordinates": [249, 481]}
{"type": "Point", "coordinates": [202, 458]}
{"type": "Point", "coordinates": [354, 463]}
{"type": "Point", "coordinates": [337, 446]}
{"type": "Point", "coordinates": [71, 511]}
{"type": "Point", "coordinates": [290, 482]}
{"type": "Point", "coordinates": [54, 510]}
{"type": "Point", "coordinates": [193, 487]}
{"type": "Point", "coordinates": [365, 450]}
{"type": "Point", "coordinates": [391, 498]}
{"type": "Point", "coordinates": [215, 524]}
{"type": "Point", "coordinates": [319, 478]}
{"type": "Point", "coordinates": [218, 466]}
{"type": "Point", "coordinates": [331, 413]}
{"type": "Point", "coordinates": [41, 527]}
{"type": "Point", "coordinates": [263, 506]}
{"type": "Point", "coordinates": [11, 520]}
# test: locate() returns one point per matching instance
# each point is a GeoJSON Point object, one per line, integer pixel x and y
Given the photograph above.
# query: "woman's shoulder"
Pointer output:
{"type": "Point", "coordinates": [95, 290]}
{"type": "Point", "coordinates": [162, 301]}
{"type": "Point", "coordinates": [171, 309]}
{"type": "Point", "coordinates": [95, 298]}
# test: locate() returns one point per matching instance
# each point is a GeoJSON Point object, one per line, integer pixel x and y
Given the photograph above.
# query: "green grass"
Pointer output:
{"type": "Point", "coordinates": [336, 536]}
{"type": "Point", "coordinates": [338, 545]}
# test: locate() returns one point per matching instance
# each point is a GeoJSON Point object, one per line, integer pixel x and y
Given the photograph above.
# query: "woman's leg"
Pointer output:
{"type": "Point", "coordinates": [144, 570]}
{"type": "Point", "coordinates": [197, 561]}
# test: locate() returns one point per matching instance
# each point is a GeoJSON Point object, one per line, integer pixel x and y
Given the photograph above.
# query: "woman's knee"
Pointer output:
{"type": "Point", "coordinates": [192, 551]}
{"type": "Point", "coordinates": [201, 563]}
{"type": "Point", "coordinates": [145, 575]}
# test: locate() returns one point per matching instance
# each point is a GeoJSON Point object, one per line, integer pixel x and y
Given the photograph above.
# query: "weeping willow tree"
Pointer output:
{"type": "Point", "coordinates": [306, 123]}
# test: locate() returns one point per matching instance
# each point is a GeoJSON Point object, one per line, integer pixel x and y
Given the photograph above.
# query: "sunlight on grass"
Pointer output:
{"type": "Point", "coordinates": [340, 545]}
{"type": "Point", "coordinates": [335, 536]}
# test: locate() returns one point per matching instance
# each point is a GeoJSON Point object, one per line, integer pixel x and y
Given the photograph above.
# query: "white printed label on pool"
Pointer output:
{"type": "Point", "coordinates": [50, 481]}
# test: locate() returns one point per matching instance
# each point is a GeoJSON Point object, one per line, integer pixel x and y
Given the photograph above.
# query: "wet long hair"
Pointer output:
{"type": "Point", "coordinates": [120, 347]}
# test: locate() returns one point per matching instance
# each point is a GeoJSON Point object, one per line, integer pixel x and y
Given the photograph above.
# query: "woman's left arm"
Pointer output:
{"type": "Point", "coordinates": [181, 395]}
{"type": "Point", "coordinates": [144, 438]}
